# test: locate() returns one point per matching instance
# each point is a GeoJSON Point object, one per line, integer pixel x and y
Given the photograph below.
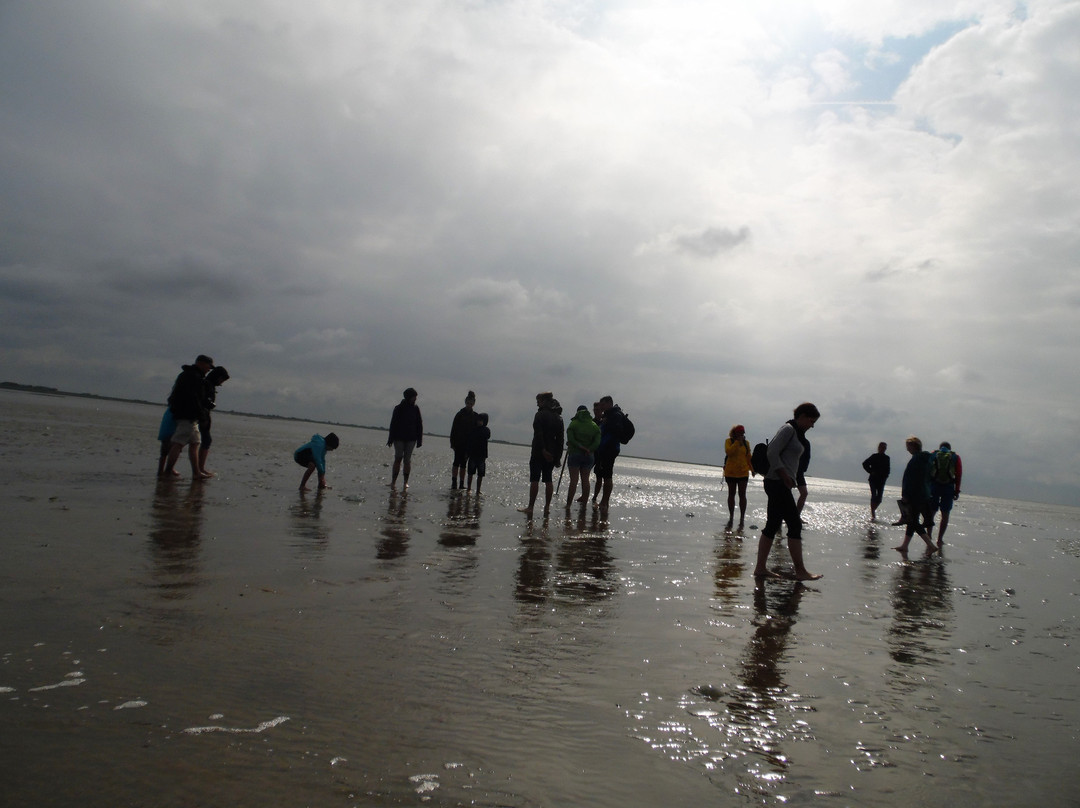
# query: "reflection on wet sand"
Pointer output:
{"type": "Point", "coordinates": [584, 568]}
{"type": "Point", "coordinates": [394, 530]}
{"type": "Point", "coordinates": [175, 536]}
{"type": "Point", "coordinates": [730, 569]}
{"type": "Point", "coordinates": [763, 708]}
{"type": "Point", "coordinates": [922, 611]}
{"type": "Point", "coordinates": [534, 566]}
{"type": "Point", "coordinates": [872, 547]}
{"type": "Point", "coordinates": [575, 567]}
{"type": "Point", "coordinates": [462, 525]}
{"type": "Point", "coordinates": [458, 537]}
{"type": "Point", "coordinates": [311, 534]}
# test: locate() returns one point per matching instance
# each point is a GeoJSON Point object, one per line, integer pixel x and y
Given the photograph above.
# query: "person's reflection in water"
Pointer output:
{"type": "Point", "coordinates": [311, 534]}
{"type": "Point", "coordinates": [462, 525]}
{"type": "Point", "coordinates": [872, 548]}
{"type": "Point", "coordinates": [922, 611]}
{"type": "Point", "coordinates": [534, 566]}
{"type": "Point", "coordinates": [395, 533]}
{"type": "Point", "coordinates": [730, 568]}
{"type": "Point", "coordinates": [458, 537]}
{"type": "Point", "coordinates": [764, 709]}
{"type": "Point", "coordinates": [175, 536]}
{"type": "Point", "coordinates": [584, 567]}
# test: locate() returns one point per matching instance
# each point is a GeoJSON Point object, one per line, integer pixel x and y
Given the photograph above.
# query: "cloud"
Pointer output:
{"type": "Point", "coordinates": [710, 211]}
{"type": "Point", "coordinates": [712, 241]}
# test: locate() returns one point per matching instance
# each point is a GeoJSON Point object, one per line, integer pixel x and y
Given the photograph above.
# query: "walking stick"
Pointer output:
{"type": "Point", "coordinates": [557, 487]}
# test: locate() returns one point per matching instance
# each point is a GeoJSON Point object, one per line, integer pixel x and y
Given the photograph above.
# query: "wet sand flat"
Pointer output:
{"type": "Point", "coordinates": [234, 643]}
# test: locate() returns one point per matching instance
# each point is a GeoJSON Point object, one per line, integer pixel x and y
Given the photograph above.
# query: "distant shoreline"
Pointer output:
{"type": "Point", "coordinates": [53, 391]}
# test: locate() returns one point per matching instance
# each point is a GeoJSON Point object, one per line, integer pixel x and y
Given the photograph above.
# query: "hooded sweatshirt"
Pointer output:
{"type": "Point", "coordinates": [583, 433]}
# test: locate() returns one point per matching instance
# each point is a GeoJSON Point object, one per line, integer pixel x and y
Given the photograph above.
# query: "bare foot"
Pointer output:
{"type": "Point", "coordinates": [769, 574]}
{"type": "Point", "coordinates": [807, 576]}
{"type": "Point", "coordinates": [526, 511]}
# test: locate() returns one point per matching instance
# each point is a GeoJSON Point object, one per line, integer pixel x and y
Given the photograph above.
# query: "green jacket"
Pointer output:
{"type": "Point", "coordinates": [583, 433]}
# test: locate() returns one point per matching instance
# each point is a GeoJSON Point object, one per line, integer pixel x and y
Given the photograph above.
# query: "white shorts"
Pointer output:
{"type": "Point", "coordinates": [187, 433]}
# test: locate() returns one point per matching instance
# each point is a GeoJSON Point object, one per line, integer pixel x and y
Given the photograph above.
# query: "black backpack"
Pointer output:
{"type": "Point", "coordinates": [760, 458]}
{"type": "Point", "coordinates": [626, 431]}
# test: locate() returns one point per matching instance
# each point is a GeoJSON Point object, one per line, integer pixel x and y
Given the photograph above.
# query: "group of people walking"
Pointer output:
{"type": "Point", "coordinates": [931, 484]}
{"type": "Point", "coordinates": [592, 441]}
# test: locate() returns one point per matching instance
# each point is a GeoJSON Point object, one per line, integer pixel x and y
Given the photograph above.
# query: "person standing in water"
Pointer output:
{"type": "Point", "coordinates": [737, 470]}
{"type": "Point", "coordinates": [915, 495]}
{"type": "Point", "coordinates": [945, 473]}
{"type": "Point", "coordinates": [462, 427]}
{"type": "Point", "coordinates": [214, 379]}
{"type": "Point", "coordinates": [878, 466]}
{"type": "Point", "coordinates": [406, 434]}
{"type": "Point", "coordinates": [547, 446]}
{"type": "Point", "coordinates": [186, 403]}
{"type": "Point", "coordinates": [582, 440]}
{"type": "Point", "coordinates": [478, 452]}
{"type": "Point", "coordinates": [785, 450]}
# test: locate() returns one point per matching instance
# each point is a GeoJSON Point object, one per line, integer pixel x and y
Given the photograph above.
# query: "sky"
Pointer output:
{"type": "Point", "coordinates": [711, 211]}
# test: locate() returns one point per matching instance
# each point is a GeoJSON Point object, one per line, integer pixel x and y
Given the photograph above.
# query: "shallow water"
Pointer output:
{"type": "Point", "coordinates": [234, 643]}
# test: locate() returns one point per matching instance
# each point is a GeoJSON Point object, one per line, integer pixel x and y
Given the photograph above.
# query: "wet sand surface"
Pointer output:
{"type": "Point", "coordinates": [234, 643]}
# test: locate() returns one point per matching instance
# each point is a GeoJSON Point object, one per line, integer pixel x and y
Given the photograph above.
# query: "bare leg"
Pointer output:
{"type": "Point", "coordinates": [193, 458]}
{"type": "Point", "coordinates": [534, 489]}
{"type": "Point", "coordinates": [584, 487]}
{"type": "Point", "coordinates": [730, 504]}
{"type": "Point", "coordinates": [801, 573]}
{"type": "Point", "coordinates": [571, 488]}
{"type": "Point", "coordinates": [203, 453]}
{"type": "Point", "coordinates": [941, 528]}
{"type": "Point", "coordinates": [307, 475]}
{"type": "Point", "coordinates": [761, 570]}
{"type": "Point", "coordinates": [549, 489]}
{"type": "Point", "coordinates": [170, 463]}
{"type": "Point", "coordinates": [742, 503]}
{"type": "Point", "coordinates": [607, 494]}
{"type": "Point", "coordinates": [394, 472]}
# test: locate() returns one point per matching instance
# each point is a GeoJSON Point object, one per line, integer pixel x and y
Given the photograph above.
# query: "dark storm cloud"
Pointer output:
{"type": "Point", "coordinates": [713, 241]}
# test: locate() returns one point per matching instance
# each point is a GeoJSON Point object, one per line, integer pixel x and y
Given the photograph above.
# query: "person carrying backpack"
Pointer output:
{"type": "Point", "coordinates": [785, 450]}
{"type": "Point", "coordinates": [738, 466]}
{"type": "Point", "coordinates": [614, 431]}
{"type": "Point", "coordinates": [945, 473]}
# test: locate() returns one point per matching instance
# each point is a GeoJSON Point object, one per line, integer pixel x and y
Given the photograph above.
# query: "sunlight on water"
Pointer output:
{"type": "Point", "coordinates": [236, 643]}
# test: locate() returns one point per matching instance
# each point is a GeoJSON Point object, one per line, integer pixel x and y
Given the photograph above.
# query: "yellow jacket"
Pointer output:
{"type": "Point", "coordinates": [737, 458]}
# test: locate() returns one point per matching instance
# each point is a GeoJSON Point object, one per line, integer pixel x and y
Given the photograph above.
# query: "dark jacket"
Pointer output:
{"type": "Point", "coordinates": [188, 395]}
{"type": "Point", "coordinates": [611, 429]}
{"type": "Point", "coordinates": [477, 444]}
{"type": "Point", "coordinates": [877, 466]}
{"type": "Point", "coordinates": [915, 487]}
{"type": "Point", "coordinates": [406, 424]}
{"type": "Point", "coordinates": [463, 426]}
{"type": "Point", "coordinates": [547, 434]}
